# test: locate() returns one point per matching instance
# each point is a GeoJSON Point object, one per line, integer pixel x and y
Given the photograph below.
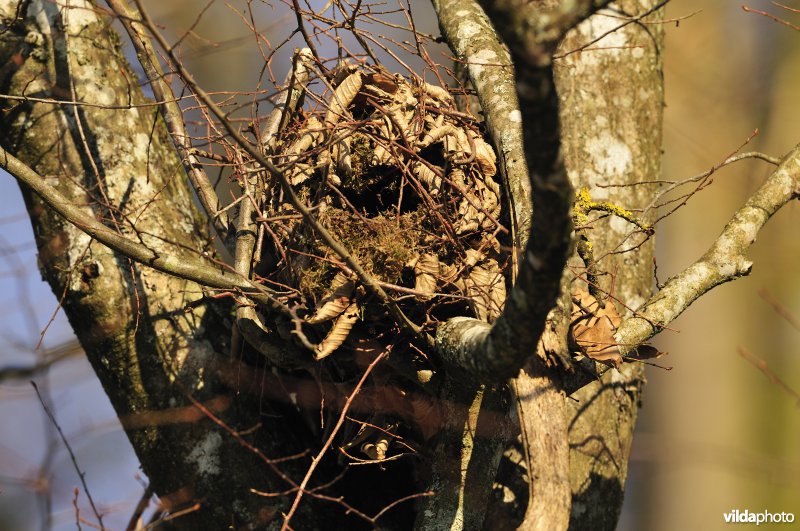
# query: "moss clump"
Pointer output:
{"type": "Point", "coordinates": [382, 246]}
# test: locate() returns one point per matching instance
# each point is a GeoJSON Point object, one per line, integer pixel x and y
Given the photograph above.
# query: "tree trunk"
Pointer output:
{"type": "Point", "coordinates": [612, 100]}
{"type": "Point", "coordinates": [157, 343]}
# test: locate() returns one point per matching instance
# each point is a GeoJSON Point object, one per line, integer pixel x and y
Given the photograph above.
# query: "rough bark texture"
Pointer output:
{"type": "Point", "coordinates": [605, 135]}
{"type": "Point", "coordinates": [612, 102]}
{"type": "Point", "coordinates": [149, 337]}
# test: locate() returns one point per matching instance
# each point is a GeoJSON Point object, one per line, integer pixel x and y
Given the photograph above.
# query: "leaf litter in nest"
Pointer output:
{"type": "Point", "coordinates": [406, 183]}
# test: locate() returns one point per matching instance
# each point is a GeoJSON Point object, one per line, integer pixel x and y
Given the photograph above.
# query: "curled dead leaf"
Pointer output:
{"type": "Point", "coordinates": [338, 332]}
{"type": "Point", "coordinates": [299, 173]}
{"type": "Point", "coordinates": [484, 155]}
{"type": "Point", "coordinates": [336, 302]}
{"type": "Point", "coordinates": [480, 206]}
{"type": "Point", "coordinates": [646, 352]}
{"type": "Point", "coordinates": [487, 290]}
{"type": "Point", "coordinates": [593, 329]}
{"type": "Point", "coordinates": [422, 172]}
{"type": "Point", "coordinates": [436, 134]}
{"type": "Point", "coordinates": [344, 161]}
{"type": "Point", "coordinates": [342, 97]}
{"type": "Point", "coordinates": [378, 449]}
{"type": "Point", "coordinates": [426, 270]}
{"type": "Point", "coordinates": [439, 93]}
{"type": "Point", "coordinates": [308, 136]}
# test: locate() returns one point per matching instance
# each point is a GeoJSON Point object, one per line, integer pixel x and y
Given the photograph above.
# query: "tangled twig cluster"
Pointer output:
{"type": "Point", "coordinates": [405, 181]}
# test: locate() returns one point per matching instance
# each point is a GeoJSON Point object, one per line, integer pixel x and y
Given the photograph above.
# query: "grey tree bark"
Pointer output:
{"type": "Point", "coordinates": [157, 343]}
{"type": "Point", "coordinates": [572, 98]}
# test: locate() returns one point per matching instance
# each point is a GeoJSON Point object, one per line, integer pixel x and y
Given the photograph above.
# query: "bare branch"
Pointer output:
{"type": "Point", "coordinates": [203, 273]}
{"type": "Point", "coordinates": [488, 65]}
{"type": "Point", "coordinates": [535, 28]}
{"type": "Point", "coordinates": [315, 462]}
{"type": "Point", "coordinates": [761, 365]}
{"type": "Point", "coordinates": [50, 358]}
{"type": "Point", "coordinates": [724, 261]}
{"type": "Point", "coordinates": [779, 308]}
{"type": "Point", "coordinates": [81, 475]}
{"type": "Point", "coordinates": [173, 118]}
{"type": "Point", "coordinates": [497, 352]}
{"type": "Point", "coordinates": [597, 39]}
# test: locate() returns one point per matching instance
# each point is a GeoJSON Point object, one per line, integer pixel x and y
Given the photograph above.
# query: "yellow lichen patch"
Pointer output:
{"type": "Point", "coordinates": [584, 204]}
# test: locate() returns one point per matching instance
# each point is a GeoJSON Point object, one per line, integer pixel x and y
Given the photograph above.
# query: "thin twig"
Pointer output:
{"type": "Point", "coordinates": [777, 19]}
{"type": "Point", "coordinates": [81, 474]}
{"type": "Point", "coordinates": [202, 273]}
{"type": "Point", "coordinates": [779, 308]}
{"type": "Point", "coordinates": [173, 118]}
{"type": "Point", "coordinates": [144, 501]}
{"type": "Point", "coordinates": [612, 30]}
{"type": "Point", "coordinates": [761, 365]}
{"type": "Point", "coordinates": [342, 416]}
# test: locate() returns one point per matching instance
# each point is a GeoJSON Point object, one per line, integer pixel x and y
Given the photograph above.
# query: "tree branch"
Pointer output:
{"type": "Point", "coordinates": [470, 34]}
{"type": "Point", "coordinates": [534, 28]}
{"type": "Point", "coordinates": [495, 353]}
{"type": "Point", "coordinates": [202, 273]}
{"type": "Point", "coordinates": [724, 261]}
{"type": "Point", "coordinates": [173, 118]}
{"type": "Point", "coordinates": [540, 403]}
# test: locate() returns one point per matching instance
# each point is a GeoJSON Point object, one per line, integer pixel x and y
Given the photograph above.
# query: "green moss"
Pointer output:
{"type": "Point", "coordinates": [382, 246]}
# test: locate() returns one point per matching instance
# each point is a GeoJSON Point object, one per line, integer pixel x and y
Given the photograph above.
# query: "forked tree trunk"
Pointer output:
{"type": "Point", "coordinates": [159, 345]}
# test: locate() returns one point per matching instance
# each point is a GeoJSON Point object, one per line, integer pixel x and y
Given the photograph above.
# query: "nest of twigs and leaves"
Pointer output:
{"type": "Point", "coordinates": [406, 183]}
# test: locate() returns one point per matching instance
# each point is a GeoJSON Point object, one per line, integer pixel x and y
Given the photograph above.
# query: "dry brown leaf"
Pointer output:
{"type": "Point", "coordinates": [480, 206]}
{"type": "Point", "coordinates": [342, 97]}
{"type": "Point", "coordinates": [344, 161]}
{"type": "Point", "coordinates": [593, 328]}
{"type": "Point", "coordinates": [439, 93]}
{"type": "Point", "coordinates": [378, 449]}
{"type": "Point", "coordinates": [338, 332]}
{"type": "Point", "coordinates": [336, 302]}
{"type": "Point", "coordinates": [484, 155]}
{"type": "Point", "coordinates": [457, 145]}
{"type": "Point", "coordinates": [426, 270]}
{"type": "Point", "coordinates": [646, 352]}
{"type": "Point", "coordinates": [436, 134]}
{"type": "Point", "coordinates": [383, 81]}
{"type": "Point", "coordinates": [428, 177]}
{"type": "Point", "coordinates": [310, 135]}
{"type": "Point", "coordinates": [381, 155]}
{"type": "Point", "coordinates": [487, 290]}
{"type": "Point", "coordinates": [473, 257]}
{"type": "Point", "coordinates": [447, 273]}
{"type": "Point", "coordinates": [300, 173]}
